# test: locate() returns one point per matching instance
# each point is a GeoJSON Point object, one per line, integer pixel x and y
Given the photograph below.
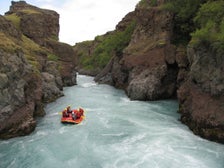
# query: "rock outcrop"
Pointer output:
{"type": "Point", "coordinates": [42, 26]}
{"type": "Point", "coordinates": [201, 96]}
{"type": "Point", "coordinates": [66, 59]}
{"type": "Point", "coordinates": [153, 67]}
{"type": "Point", "coordinates": [35, 23]}
{"type": "Point", "coordinates": [34, 66]}
{"type": "Point", "coordinates": [147, 69]}
{"type": "Point", "coordinates": [20, 97]}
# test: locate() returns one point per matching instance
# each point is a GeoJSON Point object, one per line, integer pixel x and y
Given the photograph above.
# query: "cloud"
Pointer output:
{"type": "Point", "coordinates": [87, 19]}
{"type": "Point", "coordinates": [82, 20]}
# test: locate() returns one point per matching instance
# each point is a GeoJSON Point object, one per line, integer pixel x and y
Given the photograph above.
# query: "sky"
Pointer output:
{"type": "Point", "coordinates": [82, 20]}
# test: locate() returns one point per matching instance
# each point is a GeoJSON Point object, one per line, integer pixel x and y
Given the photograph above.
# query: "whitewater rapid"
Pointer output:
{"type": "Point", "coordinates": [117, 133]}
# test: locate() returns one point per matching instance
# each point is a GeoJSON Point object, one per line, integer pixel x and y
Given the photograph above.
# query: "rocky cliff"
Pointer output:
{"type": "Point", "coordinates": [201, 96]}
{"type": "Point", "coordinates": [34, 66]}
{"type": "Point", "coordinates": [147, 68]}
{"type": "Point", "coordinates": [20, 95]}
{"type": "Point", "coordinates": [35, 23]}
{"type": "Point", "coordinates": [160, 62]}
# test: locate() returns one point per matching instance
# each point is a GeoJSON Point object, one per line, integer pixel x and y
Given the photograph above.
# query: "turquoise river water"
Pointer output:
{"type": "Point", "coordinates": [117, 133]}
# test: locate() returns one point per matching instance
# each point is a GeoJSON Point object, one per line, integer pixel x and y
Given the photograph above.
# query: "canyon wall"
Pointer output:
{"type": "Point", "coordinates": [34, 66]}
{"type": "Point", "coordinates": [156, 65]}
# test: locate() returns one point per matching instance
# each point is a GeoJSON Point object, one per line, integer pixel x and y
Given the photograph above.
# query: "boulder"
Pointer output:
{"type": "Point", "coordinates": [50, 90]}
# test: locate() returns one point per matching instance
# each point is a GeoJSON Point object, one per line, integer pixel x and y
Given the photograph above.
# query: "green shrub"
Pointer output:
{"type": "Point", "coordinates": [14, 19]}
{"type": "Point", "coordinates": [184, 12]}
{"type": "Point", "coordinates": [112, 44]}
{"type": "Point", "coordinates": [52, 57]}
{"type": "Point", "coordinates": [212, 10]}
{"type": "Point", "coordinates": [153, 3]}
{"type": "Point", "coordinates": [143, 4]}
{"type": "Point", "coordinates": [30, 11]}
{"type": "Point", "coordinates": [29, 44]}
{"type": "Point", "coordinates": [7, 43]}
{"type": "Point", "coordinates": [147, 3]}
{"type": "Point", "coordinates": [210, 23]}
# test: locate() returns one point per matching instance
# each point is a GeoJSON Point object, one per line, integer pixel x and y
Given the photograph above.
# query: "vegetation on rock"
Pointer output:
{"type": "Point", "coordinates": [147, 3]}
{"type": "Point", "coordinates": [210, 26]}
{"type": "Point", "coordinates": [30, 11]}
{"type": "Point", "coordinates": [34, 66]}
{"type": "Point", "coordinates": [198, 21]}
{"type": "Point", "coordinates": [7, 44]}
{"type": "Point", "coordinates": [184, 13]}
{"type": "Point", "coordinates": [107, 46]}
{"type": "Point", "coordinates": [14, 19]}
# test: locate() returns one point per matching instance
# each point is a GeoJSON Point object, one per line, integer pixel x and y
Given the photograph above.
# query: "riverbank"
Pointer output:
{"type": "Point", "coordinates": [117, 132]}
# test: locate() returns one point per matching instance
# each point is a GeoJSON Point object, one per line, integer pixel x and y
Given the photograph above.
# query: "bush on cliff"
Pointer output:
{"type": "Point", "coordinates": [108, 45]}
{"type": "Point", "coordinates": [147, 3]}
{"type": "Point", "coordinates": [7, 44]}
{"type": "Point", "coordinates": [14, 19]}
{"type": "Point", "coordinates": [184, 13]}
{"type": "Point", "coordinates": [210, 23]}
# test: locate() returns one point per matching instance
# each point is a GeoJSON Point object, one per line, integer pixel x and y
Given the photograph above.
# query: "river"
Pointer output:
{"type": "Point", "coordinates": [116, 133]}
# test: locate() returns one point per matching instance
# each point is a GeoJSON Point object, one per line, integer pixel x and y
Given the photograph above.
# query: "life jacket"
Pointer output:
{"type": "Point", "coordinates": [78, 115]}
{"type": "Point", "coordinates": [64, 113]}
{"type": "Point", "coordinates": [81, 111]}
{"type": "Point", "coordinates": [69, 110]}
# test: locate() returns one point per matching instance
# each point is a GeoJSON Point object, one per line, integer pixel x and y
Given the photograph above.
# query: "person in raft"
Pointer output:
{"type": "Point", "coordinates": [69, 109]}
{"type": "Point", "coordinates": [64, 113]}
{"type": "Point", "coordinates": [72, 112]}
{"type": "Point", "coordinates": [81, 111]}
{"type": "Point", "coordinates": [76, 114]}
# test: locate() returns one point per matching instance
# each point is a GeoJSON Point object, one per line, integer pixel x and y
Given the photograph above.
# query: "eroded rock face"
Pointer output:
{"type": "Point", "coordinates": [8, 28]}
{"type": "Point", "coordinates": [201, 96]}
{"type": "Point", "coordinates": [153, 84]}
{"type": "Point", "coordinates": [67, 61]}
{"type": "Point", "coordinates": [152, 68]}
{"type": "Point", "coordinates": [52, 68]}
{"type": "Point", "coordinates": [20, 95]}
{"type": "Point", "coordinates": [34, 67]}
{"type": "Point", "coordinates": [50, 89]}
{"type": "Point", "coordinates": [37, 24]}
{"type": "Point", "coordinates": [147, 70]}
{"type": "Point", "coordinates": [42, 26]}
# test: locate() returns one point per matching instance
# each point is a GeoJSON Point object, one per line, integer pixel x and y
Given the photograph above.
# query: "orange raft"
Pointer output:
{"type": "Point", "coordinates": [69, 119]}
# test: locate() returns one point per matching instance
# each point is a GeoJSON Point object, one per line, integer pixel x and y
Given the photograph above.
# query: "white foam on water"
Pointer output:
{"type": "Point", "coordinates": [62, 130]}
{"type": "Point", "coordinates": [86, 85]}
{"type": "Point", "coordinates": [125, 99]}
{"type": "Point", "coordinates": [104, 122]}
{"type": "Point", "coordinates": [54, 114]}
{"type": "Point", "coordinates": [117, 133]}
{"type": "Point", "coordinates": [42, 133]}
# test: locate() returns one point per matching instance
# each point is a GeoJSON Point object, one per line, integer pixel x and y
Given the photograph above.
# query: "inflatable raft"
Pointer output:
{"type": "Point", "coordinates": [69, 119]}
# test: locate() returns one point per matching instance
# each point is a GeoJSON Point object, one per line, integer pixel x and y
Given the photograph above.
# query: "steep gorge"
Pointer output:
{"type": "Point", "coordinates": [161, 61]}
{"type": "Point", "coordinates": [34, 66]}
{"type": "Point", "coordinates": [145, 56]}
